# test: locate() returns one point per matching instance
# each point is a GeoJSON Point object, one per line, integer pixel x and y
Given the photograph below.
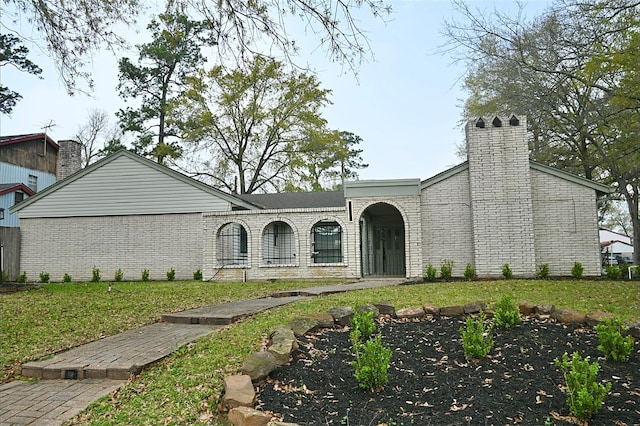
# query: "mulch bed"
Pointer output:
{"type": "Point", "coordinates": [431, 382]}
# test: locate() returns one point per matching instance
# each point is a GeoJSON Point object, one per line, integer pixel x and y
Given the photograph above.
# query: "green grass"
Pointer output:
{"type": "Point", "coordinates": [186, 387]}
{"type": "Point", "coordinates": [64, 315]}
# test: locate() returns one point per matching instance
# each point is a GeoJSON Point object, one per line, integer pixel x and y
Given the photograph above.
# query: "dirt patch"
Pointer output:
{"type": "Point", "coordinates": [431, 382]}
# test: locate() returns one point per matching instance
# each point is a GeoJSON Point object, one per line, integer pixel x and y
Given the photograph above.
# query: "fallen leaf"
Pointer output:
{"type": "Point", "coordinates": [461, 407]}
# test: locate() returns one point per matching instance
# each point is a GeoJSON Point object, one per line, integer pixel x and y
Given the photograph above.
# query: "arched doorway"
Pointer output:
{"type": "Point", "coordinates": [382, 245]}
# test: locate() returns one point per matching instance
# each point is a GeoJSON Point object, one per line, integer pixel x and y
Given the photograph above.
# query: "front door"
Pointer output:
{"type": "Point", "coordinates": [382, 242]}
{"type": "Point", "coordinates": [389, 250]}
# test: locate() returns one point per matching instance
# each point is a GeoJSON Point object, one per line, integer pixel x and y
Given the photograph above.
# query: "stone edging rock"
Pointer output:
{"type": "Point", "coordinates": [239, 393]}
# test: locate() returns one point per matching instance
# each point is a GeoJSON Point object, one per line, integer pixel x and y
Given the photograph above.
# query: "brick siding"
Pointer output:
{"type": "Point", "coordinates": [447, 229]}
{"type": "Point", "coordinates": [566, 225]}
{"type": "Point", "coordinates": [501, 199]}
{"type": "Point", "coordinates": [74, 245]}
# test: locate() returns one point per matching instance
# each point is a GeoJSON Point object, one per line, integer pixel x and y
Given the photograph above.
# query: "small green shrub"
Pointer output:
{"type": "Point", "coordinates": [5, 276]}
{"type": "Point", "coordinates": [506, 271]}
{"type": "Point", "coordinates": [171, 274]}
{"type": "Point", "coordinates": [584, 394]}
{"type": "Point", "coordinates": [469, 272]}
{"type": "Point", "coordinates": [145, 275]}
{"type": "Point", "coordinates": [577, 270]}
{"type": "Point", "coordinates": [506, 313]}
{"type": "Point", "coordinates": [613, 272]}
{"type": "Point", "coordinates": [119, 275]}
{"type": "Point", "coordinates": [44, 277]}
{"type": "Point", "coordinates": [543, 271]}
{"type": "Point", "coordinates": [430, 273]}
{"type": "Point", "coordinates": [197, 275]}
{"type": "Point", "coordinates": [22, 278]}
{"type": "Point", "coordinates": [362, 326]}
{"type": "Point", "coordinates": [66, 278]}
{"type": "Point", "coordinates": [372, 364]}
{"type": "Point", "coordinates": [477, 337]}
{"type": "Point", "coordinates": [611, 342]}
{"type": "Point", "coordinates": [95, 275]}
{"type": "Point", "coordinates": [446, 269]}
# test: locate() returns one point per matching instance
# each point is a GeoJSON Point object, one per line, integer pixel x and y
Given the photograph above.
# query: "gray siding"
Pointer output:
{"type": "Point", "coordinates": [122, 187]}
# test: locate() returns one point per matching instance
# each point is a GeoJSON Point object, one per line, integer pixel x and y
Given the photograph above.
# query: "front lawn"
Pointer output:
{"type": "Point", "coordinates": [185, 388]}
{"type": "Point", "coordinates": [60, 316]}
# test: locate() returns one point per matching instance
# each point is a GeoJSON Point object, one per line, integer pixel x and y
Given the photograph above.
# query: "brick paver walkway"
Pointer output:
{"type": "Point", "coordinates": [50, 402]}
{"type": "Point", "coordinates": [81, 375]}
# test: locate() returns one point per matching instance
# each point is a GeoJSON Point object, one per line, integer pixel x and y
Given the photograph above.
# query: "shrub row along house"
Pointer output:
{"type": "Point", "coordinates": [125, 212]}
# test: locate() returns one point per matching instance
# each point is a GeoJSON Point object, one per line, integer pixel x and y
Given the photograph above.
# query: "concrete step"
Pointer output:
{"type": "Point", "coordinates": [227, 313]}
{"type": "Point", "coordinates": [117, 357]}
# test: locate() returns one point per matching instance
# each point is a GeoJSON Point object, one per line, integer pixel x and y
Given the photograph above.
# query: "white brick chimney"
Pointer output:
{"type": "Point", "coordinates": [501, 196]}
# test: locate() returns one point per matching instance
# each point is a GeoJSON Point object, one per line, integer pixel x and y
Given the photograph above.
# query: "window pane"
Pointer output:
{"type": "Point", "coordinates": [278, 244]}
{"type": "Point", "coordinates": [33, 183]}
{"type": "Point", "coordinates": [232, 245]}
{"type": "Point", "coordinates": [327, 243]}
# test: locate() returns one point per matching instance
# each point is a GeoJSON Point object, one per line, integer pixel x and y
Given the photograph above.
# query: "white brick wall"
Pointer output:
{"type": "Point", "coordinates": [566, 225]}
{"type": "Point", "coordinates": [74, 245]}
{"type": "Point", "coordinates": [501, 199]}
{"type": "Point", "coordinates": [254, 222]}
{"type": "Point", "coordinates": [409, 208]}
{"type": "Point", "coordinates": [447, 232]}
{"type": "Point", "coordinates": [302, 221]}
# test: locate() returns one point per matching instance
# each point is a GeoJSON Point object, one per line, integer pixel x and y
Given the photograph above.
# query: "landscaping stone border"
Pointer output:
{"type": "Point", "coordinates": [239, 397]}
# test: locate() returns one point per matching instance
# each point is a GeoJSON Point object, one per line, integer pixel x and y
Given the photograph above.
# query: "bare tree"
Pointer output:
{"type": "Point", "coordinates": [73, 30]}
{"type": "Point", "coordinates": [94, 135]}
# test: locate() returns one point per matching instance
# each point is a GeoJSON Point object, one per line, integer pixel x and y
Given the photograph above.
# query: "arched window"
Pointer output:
{"type": "Point", "coordinates": [326, 242]}
{"type": "Point", "coordinates": [233, 245]}
{"type": "Point", "coordinates": [278, 244]}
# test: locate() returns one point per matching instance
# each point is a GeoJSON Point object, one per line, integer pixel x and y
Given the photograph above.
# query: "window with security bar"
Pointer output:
{"type": "Point", "coordinates": [326, 241]}
{"type": "Point", "coordinates": [233, 245]}
{"type": "Point", "coordinates": [278, 244]}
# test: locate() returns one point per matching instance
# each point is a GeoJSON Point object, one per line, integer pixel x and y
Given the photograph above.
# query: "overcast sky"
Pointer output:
{"type": "Point", "coordinates": [405, 104]}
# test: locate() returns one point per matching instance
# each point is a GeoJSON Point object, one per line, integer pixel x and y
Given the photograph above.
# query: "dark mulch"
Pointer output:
{"type": "Point", "coordinates": [431, 382]}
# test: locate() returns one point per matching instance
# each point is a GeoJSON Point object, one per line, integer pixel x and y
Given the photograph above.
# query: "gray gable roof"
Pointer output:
{"type": "Point", "coordinates": [296, 200]}
{"type": "Point", "coordinates": [598, 187]}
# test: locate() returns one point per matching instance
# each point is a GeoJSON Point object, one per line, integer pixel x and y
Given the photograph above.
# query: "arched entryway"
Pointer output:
{"type": "Point", "coordinates": [382, 242]}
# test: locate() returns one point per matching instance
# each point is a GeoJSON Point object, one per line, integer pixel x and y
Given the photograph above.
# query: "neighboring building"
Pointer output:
{"type": "Point", "coordinates": [126, 212]}
{"type": "Point", "coordinates": [28, 164]}
{"type": "Point", "coordinates": [615, 245]}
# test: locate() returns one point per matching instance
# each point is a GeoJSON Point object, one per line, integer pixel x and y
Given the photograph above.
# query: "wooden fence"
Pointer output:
{"type": "Point", "coordinates": [10, 256]}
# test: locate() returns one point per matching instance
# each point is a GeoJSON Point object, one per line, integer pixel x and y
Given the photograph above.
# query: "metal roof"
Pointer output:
{"type": "Point", "coordinates": [11, 139]}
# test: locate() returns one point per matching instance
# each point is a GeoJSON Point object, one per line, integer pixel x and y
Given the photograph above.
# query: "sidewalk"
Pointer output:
{"type": "Point", "coordinates": [81, 375]}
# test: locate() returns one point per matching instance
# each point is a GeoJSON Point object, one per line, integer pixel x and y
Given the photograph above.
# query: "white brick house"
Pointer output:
{"type": "Point", "coordinates": [129, 213]}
